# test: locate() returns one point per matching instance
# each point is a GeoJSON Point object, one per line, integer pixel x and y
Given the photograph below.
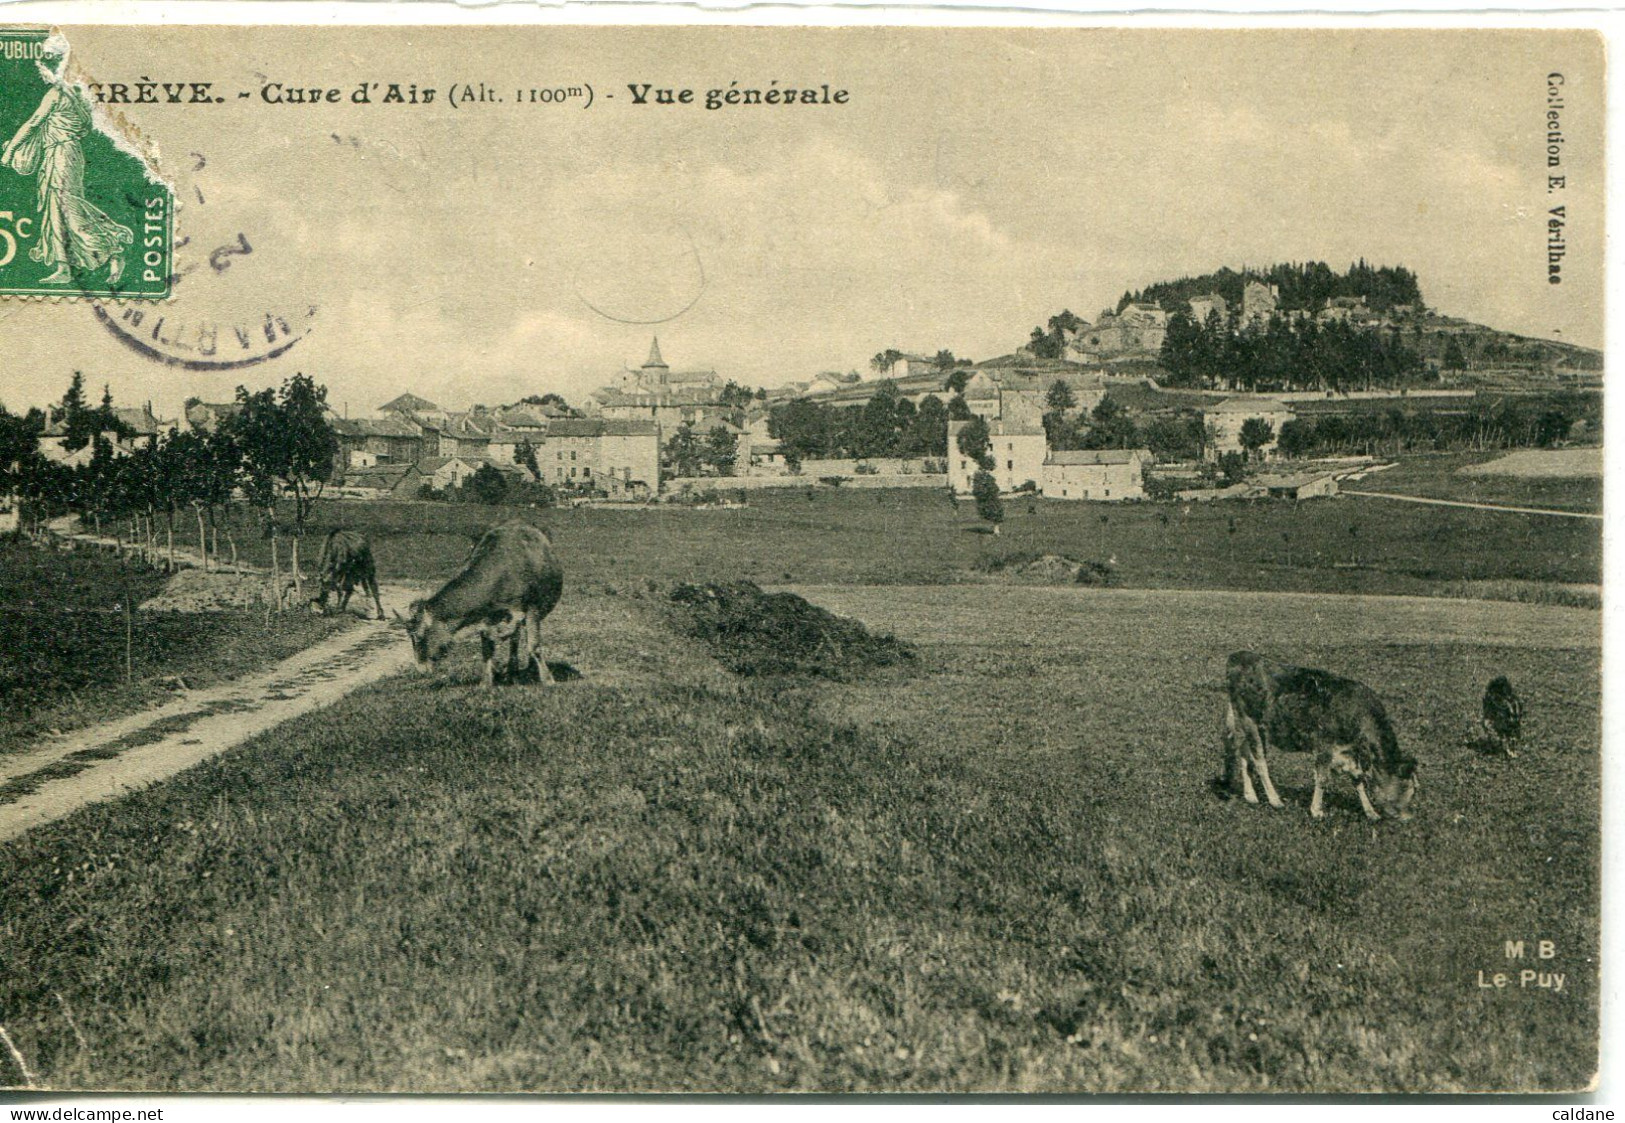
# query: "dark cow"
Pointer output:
{"type": "Point", "coordinates": [1302, 710]}
{"type": "Point", "coordinates": [346, 563]}
{"type": "Point", "coordinates": [1503, 715]}
{"type": "Point", "coordinates": [511, 581]}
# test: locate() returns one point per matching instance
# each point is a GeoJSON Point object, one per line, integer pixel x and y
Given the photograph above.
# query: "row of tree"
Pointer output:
{"type": "Point", "coordinates": [1286, 356]}
{"type": "Point", "coordinates": [1300, 285]}
{"type": "Point", "coordinates": [1509, 422]}
{"type": "Point", "coordinates": [887, 425]}
{"type": "Point", "coordinates": [276, 446]}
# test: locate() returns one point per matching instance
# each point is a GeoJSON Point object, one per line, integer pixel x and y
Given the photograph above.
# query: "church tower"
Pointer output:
{"type": "Point", "coordinates": [655, 370]}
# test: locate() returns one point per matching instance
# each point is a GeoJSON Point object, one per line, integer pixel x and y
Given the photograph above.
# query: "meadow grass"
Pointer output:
{"type": "Point", "coordinates": [1440, 476]}
{"type": "Point", "coordinates": [62, 642]}
{"type": "Point", "coordinates": [1004, 869]}
{"type": "Point", "coordinates": [821, 535]}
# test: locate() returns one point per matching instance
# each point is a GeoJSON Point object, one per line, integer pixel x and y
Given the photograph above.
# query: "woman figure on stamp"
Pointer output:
{"type": "Point", "coordinates": [74, 235]}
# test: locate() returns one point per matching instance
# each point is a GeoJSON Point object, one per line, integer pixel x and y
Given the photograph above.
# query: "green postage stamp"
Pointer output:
{"type": "Point", "coordinates": [81, 213]}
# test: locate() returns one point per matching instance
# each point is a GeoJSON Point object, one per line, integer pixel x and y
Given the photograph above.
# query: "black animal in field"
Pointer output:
{"type": "Point", "coordinates": [1503, 715]}
{"type": "Point", "coordinates": [346, 564]}
{"type": "Point", "coordinates": [1303, 710]}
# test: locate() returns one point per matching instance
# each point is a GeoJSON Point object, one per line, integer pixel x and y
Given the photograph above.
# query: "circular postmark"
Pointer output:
{"type": "Point", "coordinates": [651, 274]}
{"type": "Point", "coordinates": [232, 303]}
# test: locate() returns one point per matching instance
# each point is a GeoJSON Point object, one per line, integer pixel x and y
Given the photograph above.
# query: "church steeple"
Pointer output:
{"type": "Point", "coordinates": [655, 362]}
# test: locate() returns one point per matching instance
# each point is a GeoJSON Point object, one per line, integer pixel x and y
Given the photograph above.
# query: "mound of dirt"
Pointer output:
{"type": "Point", "coordinates": [1051, 569]}
{"type": "Point", "coordinates": [753, 633]}
{"type": "Point", "coordinates": [192, 590]}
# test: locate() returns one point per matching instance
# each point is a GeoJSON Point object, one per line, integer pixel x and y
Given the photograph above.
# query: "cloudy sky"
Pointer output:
{"type": "Point", "coordinates": [976, 182]}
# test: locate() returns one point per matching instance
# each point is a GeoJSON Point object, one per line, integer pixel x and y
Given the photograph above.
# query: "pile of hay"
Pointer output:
{"type": "Point", "coordinates": [753, 633]}
{"type": "Point", "coordinates": [1050, 569]}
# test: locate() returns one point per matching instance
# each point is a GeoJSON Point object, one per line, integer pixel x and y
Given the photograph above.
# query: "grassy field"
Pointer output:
{"type": "Point", "coordinates": [833, 536]}
{"type": "Point", "coordinates": [62, 642]}
{"type": "Point", "coordinates": [1003, 870]}
{"type": "Point", "coordinates": [1440, 476]}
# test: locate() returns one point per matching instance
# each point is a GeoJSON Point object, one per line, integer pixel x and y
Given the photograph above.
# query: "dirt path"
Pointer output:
{"type": "Point", "coordinates": [110, 759]}
{"type": "Point", "coordinates": [1474, 506]}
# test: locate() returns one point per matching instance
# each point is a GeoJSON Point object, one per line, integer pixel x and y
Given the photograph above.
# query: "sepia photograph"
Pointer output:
{"type": "Point", "coordinates": [547, 559]}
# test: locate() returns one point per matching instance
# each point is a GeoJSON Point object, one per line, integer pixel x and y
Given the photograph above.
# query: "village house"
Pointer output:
{"type": "Point", "coordinates": [1343, 309]}
{"type": "Point", "coordinates": [393, 438]}
{"type": "Point", "coordinates": [1017, 450]}
{"type": "Point", "coordinates": [1297, 485]}
{"type": "Point", "coordinates": [588, 452]}
{"type": "Point", "coordinates": [1138, 329]}
{"type": "Point", "coordinates": [1099, 474]}
{"type": "Point", "coordinates": [1258, 302]}
{"type": "Point", "coordinates": [1225, 420]}
{"type": "Point", "coordinates": [207, 416]}
{"type": "Point", "coordinates": [908, 366]}
{"type": "Point", "coordinates": [1204, 306]}
{"type": "Point", "coordinates": [140, 429]}
{"type": "Point", "coordinates": [384, 480]}
{"type": "Point", "coordinates": [442, 472]}
{"type": "Point", "coordinates": [410, 405]}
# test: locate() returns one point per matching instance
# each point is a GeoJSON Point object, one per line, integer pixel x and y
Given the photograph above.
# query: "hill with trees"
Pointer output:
{"type": "Point", "coordinates": [1304, 285]}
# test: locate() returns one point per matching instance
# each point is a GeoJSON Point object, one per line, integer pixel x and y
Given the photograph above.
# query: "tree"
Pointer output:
{"type": "Point", "coordinates": [683, 451]}
{"type": "Point", "coordinates": [1111, 426]}
{"type": "Point", "coordinates": [1255, 434]}
{"type": "Point", "coordinates": [524, 454]}
{"type": "Point", "coordinates": [976, 443]}
{"type": "Point", "coordinates": [287, 447]}
{"type": "Point", "coordinates": [735, 396]}
{"type": "Point", "coordinates": [957, 381]}
{"type": "Point", "coordinates": [487, 485]}
{"type": "Point", "coordinates": [1233, 467]}
{"type": "Point", "coordinates": [1453, 358]}
{"type": "Point", "coordinates": [885, 360]}
{"type": "Point", "coordinates": [944, 360]}
{"type": "Point", "coordinates": [73, 411]}
{"type": "Point", "coordinates": [877, 422]}
{"type": "Point", "coordinates": [985, 490]}
{"type": "Point", "coordinates": [958, 410]}
{"type": "Point", "coordinates": [1297, 437]}
{"type": "Point", "coordinates": [929, 432]}
{"type": "Point", "coordinates": [722, 450]}
{"type": "Point", "coordinates": [1059, 399]}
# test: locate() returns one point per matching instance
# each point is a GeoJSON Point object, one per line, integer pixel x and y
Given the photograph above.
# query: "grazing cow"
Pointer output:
{"type": "Point", "coordinates": [346, 563]}
{"type": "Point", "coordinates": [1503, 715]}
{"type": "Point", "coordinates": [511, 581]}
{"type": "Point", "coordinates": [1298, 709]}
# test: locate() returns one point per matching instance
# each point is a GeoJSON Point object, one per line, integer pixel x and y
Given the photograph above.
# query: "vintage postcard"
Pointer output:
{"type": "Point", "coordinates": [782, 559]}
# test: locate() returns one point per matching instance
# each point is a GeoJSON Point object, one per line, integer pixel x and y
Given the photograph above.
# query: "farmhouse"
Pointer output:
{"type": "Point", "coordinates": [589, 452]}
{"type": "Point", "coordinates": [1017, 450]}
{"type": "Point", "coordinates": [1299, 485]}
{"type": "Point", "coordinates": [1101, 474]}
{"type": "Point", "coordinates": [1227, 417]}
{"type": "Point", "coordinates": [1204, 306]}
{"type": "Point", "coordinates": [383, 481]}
{"type": "Point", "coordinates": [394, 438]}
{"type": "Point", "coordinates": [1258, 302]}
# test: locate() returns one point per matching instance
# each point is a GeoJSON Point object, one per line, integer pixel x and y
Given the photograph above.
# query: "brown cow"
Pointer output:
{"type": "Point", "coordinates": [1300, 709]}
{"type": "Point", "coordinates": [511, 581]}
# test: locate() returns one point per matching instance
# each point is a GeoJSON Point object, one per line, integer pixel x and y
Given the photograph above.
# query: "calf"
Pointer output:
{"type": "Point", "coordinates": [1502, 712]}
{"type": "Point", "coordinates": [1299, 709]}
{"type": "Point", "coordinates": [511, 581]}
{"type": "Point", "coordinates": [346, 563]}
